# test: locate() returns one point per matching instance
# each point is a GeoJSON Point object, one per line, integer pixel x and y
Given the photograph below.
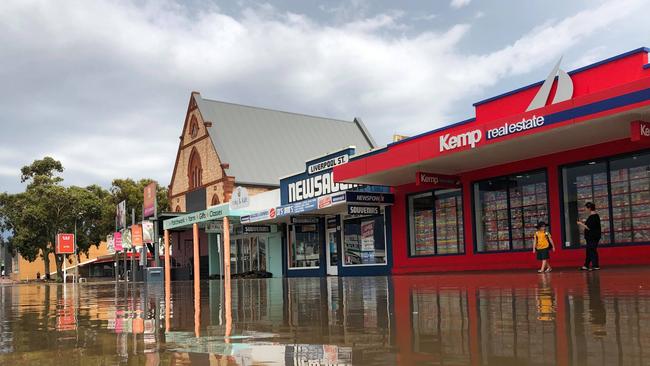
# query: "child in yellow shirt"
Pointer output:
{"type": "Point", "coordinates": [542, 245]}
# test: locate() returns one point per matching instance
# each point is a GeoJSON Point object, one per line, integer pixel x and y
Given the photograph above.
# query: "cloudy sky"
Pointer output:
{"type": "Point", "coordinates": [104, 85]}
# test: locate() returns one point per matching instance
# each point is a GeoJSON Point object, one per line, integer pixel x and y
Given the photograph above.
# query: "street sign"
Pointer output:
{"type": "Point", "coordinates": [64, 244]}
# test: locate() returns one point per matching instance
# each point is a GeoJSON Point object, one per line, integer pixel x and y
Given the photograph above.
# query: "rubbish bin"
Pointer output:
{"type": "Point", "coordinates": [155, 274]}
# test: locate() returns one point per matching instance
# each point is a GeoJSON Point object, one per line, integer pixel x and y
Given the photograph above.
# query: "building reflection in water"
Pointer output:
{"type": "Point", "coordinates": [488, 319]}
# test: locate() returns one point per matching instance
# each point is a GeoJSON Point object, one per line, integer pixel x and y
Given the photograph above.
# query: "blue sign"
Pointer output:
{"type": "Point", "coordinates": [318, 180]}
{"type": "Point", "coordinates": [298, 207]}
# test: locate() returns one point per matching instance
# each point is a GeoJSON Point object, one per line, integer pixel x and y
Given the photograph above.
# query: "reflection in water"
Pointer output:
{"type": "Point", "coordinates": [489, 319]}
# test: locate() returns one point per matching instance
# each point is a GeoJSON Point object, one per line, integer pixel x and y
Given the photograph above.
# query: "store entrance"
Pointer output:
{"type": "Point", "coordinates": [248, 253]}
{"type": "Point", "coordinates": [332, 237]}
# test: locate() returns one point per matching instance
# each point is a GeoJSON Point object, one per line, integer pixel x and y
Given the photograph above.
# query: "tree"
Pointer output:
{"type": "Point", "coordinates": [46, 208]}
{"type": "Point", "coordinates": [133, 192]}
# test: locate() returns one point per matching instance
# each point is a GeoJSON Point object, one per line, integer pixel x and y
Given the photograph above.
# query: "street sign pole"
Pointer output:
{"type": "Point", "coordinates": [76, 253]}
{"type": "Point", "coordinates": [132, 247]}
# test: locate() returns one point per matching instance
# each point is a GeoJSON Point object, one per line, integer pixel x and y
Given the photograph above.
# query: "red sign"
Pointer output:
{"type": "Point", "coordinates": [64, 244]}
{"type": "Point", "coordinates": [324, 201]}
{"type": "Point", "coordinates": [136, 235]}
{"type": "Point", "coordinates": [437, 180]}
{"type": "Point", "coordinates": [117, 237]}
{"type": "Point", "coordinates": [639, 131]}
{"type": "Point", "coordinates": [272, 213]}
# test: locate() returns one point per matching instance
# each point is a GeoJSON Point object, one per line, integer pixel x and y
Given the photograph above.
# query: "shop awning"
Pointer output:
{"type": "Point", "coordinates": [203, 217]}
{"type": "Point", "coordinates": [592, 119]}
{"type": "Point", "coordinates": [330, 204]}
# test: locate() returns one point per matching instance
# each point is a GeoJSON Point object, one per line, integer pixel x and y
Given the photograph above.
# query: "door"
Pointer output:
{"type": "Point", "coordinates": [332, 251]}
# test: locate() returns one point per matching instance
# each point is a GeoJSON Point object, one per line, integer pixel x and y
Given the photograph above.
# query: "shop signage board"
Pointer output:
{"type": "Point", "coordinates": [640, 131]}
{"type": "Point", "coordinates": [298, 207]}
{"type": "Point", "coordinates": [363, 210]}
{"type": "Point", "coordinates": [136, 235]}
{"type": "Point", "coordinates": [436, 180]}
{"type": "Point", "coordinates": [239, 199]}
{"type": "Point", "coordinates": [304, 220]}
{"type": "Point", "coordinates": [369, 197]}
{"type": "Point", "coordinates": [149, 207]}
{"type": "Point", "coordinates": [317, 180]}
{"type": "Point", "coordinates": [211, 213]}
{"type": "Point", "coordinates": [117, 240]}
{"type": "Point", "coordinates": [254, 229]}
{"type": "Point", "coordinates": [65, 243]}
{"type": "Point", "coordinates": [268, 214]}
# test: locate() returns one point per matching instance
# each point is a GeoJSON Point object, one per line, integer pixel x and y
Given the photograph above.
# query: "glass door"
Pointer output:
{"type": "Point", "coordinates": [261, 243]}
{"type": "Point", "coordinates": [332, 247]}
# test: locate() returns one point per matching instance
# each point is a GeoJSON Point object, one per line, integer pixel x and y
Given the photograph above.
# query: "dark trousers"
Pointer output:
{"type": "Point", "coordinates": [592, 254]}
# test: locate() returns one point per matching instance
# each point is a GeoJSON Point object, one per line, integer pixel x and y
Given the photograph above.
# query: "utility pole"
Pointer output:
{"type": "Point", "coordinates": [76, 251]}
{"type": "Point", "coordinates": [132, 246]}
{"type": "Point", "coordinates": [116, 265]}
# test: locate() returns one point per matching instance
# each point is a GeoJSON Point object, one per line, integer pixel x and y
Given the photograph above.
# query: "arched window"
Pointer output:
{"type": "Point", "coordinates": [194, 170]}
{"type": "Point", "coordinates": [194, 127]}
{"type": "Point", "coordinates": [215, 200]}
{"type": "Point", "coordinates": [178, 208]}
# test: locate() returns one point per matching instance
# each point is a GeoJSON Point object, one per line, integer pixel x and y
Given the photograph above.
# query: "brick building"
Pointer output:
{"type": "Point", "coordinates": [224, 145]}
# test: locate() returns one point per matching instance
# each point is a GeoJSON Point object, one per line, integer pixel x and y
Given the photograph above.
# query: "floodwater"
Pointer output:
{"type": "Point", "coordinates": [517, 318]}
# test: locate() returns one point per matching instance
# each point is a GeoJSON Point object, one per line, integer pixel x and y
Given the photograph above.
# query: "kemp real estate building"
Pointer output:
{"type": "Point", "coordinates": [468, 196]}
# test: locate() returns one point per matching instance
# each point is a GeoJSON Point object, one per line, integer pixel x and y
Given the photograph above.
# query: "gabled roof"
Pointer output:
{"type": "Point", "coordinates": [261, 145]}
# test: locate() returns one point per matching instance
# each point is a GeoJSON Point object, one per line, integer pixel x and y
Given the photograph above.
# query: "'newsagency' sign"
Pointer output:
{"type": "Point", "coordinates": [317, 180]}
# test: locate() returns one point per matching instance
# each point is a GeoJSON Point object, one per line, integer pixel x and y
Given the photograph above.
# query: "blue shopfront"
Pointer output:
{"type": "Point", "coordinates": [331, 228]}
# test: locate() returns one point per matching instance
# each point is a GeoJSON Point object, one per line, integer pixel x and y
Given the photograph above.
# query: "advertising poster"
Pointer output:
{"type": "Point", "coordinates": [126, 239]}
{"type": "Point", "coordinates": [121, 215]}
{"type": "Point", "coordinates": [110, 243]}
{"type": "Point", "coordinates": [117, 241]}
{"type": "Point", "coordinates": [149, 207]}
{"type": "Point", "coordinates": [136, 235]}
{"type": "Point", "coordinates": [147, 232]}
{"type": "Point", "coordinates": [367, 236]}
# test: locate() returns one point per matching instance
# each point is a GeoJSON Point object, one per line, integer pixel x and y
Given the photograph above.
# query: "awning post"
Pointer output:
{"type": "Point", "coordinates": [197, 279]}
{"type": "Point", "coordinates": [226, 277]}
{"type": "Point", "coordinates": [168, 278]}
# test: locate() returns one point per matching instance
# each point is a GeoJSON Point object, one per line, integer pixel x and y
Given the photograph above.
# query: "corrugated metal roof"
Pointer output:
{"type": "Point", "coordinates": [261, 145]}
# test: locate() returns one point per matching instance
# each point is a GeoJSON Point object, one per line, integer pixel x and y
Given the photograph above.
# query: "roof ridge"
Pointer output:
{"type": "Point", "coordinates": [276, 110]}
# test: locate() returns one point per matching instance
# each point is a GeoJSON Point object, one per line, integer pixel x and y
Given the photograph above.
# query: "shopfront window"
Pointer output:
{"type": "Point", "coordinates": [436, 223]}
{"type": "Point", "coordinates": [507, 210]}
{"type": "Point", "coordinates": [622, 183]}
{"type": "Point", "coordinates": [364, 240]}
{"type": "Point", "coordinates": [304, 246]}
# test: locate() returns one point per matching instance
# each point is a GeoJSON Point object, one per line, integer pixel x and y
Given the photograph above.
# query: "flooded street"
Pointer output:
{"type": "Point", "coordinates": [517, 318]}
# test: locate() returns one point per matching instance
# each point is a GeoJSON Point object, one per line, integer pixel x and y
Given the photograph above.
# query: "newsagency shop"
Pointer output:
{"type": "Point", "coordinates": [330, 228]}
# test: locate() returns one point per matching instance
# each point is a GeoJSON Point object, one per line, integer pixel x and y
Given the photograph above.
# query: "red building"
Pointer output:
{"type": "Point", "coordinates": [467, 196]}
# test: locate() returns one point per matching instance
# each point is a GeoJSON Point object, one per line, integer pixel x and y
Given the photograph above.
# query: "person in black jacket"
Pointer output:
{"type": "Point", "coordinates": [592, 234]}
